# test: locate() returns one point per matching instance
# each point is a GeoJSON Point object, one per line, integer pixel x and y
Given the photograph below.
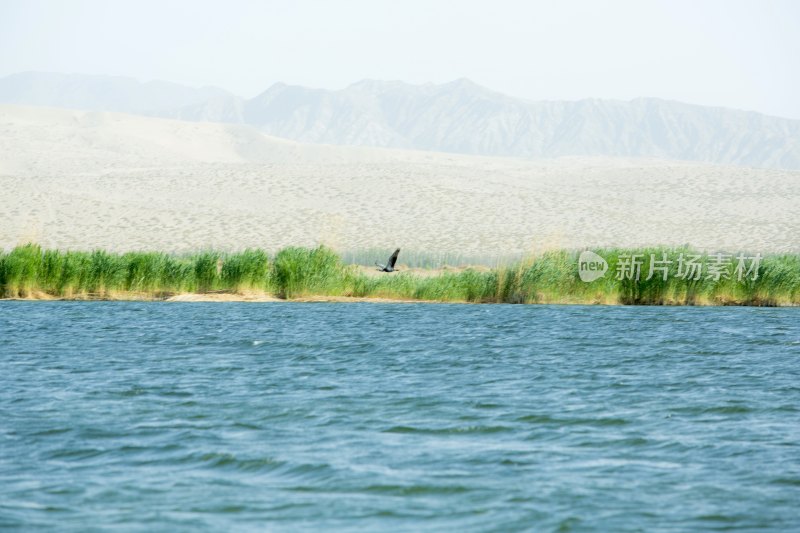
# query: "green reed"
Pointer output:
{"type": "Point", "coordinates": [294, 272]}
{"type": "Point", "coordinates": [301, 271]}
{"type": "Point", "coordinates": [248, 270]}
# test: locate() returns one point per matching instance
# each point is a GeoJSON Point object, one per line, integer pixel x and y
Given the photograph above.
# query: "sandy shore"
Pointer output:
{"type": "Point", "coordinates": [76, 180]}
{"type": "Point", "coordinates": [254, 297]}
{"type": "Point", "coordinates": [266, 298]}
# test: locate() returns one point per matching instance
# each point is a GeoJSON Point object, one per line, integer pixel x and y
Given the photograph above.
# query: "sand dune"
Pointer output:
{"type": "Point", "coordinates": [74, 179]}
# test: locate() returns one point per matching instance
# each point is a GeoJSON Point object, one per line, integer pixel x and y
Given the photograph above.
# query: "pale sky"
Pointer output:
{"type": "Point", "coordinates": [731, 53]}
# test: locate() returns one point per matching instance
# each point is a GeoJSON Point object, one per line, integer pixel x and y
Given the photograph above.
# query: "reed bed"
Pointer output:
{"type": "Point", "coordinates": [30, 272]}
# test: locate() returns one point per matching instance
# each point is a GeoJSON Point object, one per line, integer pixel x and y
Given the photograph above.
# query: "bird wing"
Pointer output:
{"type": "Point", "coordinates": [393, 259]}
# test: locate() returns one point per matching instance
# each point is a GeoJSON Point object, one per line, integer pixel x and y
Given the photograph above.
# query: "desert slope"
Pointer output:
{"type": "Point", "coordinates": [74, 179]}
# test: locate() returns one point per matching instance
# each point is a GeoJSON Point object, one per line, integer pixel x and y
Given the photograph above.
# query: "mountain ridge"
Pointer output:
{"type": "Point", "coordinates": [459, 116]}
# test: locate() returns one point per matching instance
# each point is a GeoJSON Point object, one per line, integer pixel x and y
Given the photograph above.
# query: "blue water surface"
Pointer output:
{"type": "Point", "coordinates": [398, 417]}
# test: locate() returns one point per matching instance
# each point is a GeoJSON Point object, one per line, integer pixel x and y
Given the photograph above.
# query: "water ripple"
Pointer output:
{"type": "Point", "coordinates": [398, 417]}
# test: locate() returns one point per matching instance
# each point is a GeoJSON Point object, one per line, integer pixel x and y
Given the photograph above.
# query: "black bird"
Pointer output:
{"type": "Point", "coordinates": [389, 267]}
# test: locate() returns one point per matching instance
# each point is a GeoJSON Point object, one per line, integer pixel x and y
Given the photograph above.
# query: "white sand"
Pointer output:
{"type": "Point", "coordinates": [82, 180]}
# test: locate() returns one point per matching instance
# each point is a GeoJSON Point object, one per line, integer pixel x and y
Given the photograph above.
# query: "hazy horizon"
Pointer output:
{"type": "Point", "coordinates": [355, 82]}
{"type": "Point", "coordinates": [737, 55]}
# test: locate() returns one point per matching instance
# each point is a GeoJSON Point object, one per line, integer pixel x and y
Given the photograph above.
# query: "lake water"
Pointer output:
{"type": "Point", "coordinates": [398, 417]}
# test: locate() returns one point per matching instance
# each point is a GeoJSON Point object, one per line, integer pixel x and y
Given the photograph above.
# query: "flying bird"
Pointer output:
{"type": "Point", "coordinates": [389, 266]}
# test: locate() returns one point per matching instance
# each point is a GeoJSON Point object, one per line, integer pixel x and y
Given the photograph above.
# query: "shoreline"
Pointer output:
{"type": "Point", "coordinates": [265, 297]}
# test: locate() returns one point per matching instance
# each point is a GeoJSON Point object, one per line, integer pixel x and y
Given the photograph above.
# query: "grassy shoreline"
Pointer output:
{"type": "Point", "coordinates": [319, 274]}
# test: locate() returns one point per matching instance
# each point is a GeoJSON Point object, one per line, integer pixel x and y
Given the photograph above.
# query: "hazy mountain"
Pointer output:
{"type": "Point", "coordinates": [103, 93]}
{"type": "Point", "coordinates": [218, 108]}
{"type": "Point", "coordinates": [463, 117]}
{"type": "Point", "coordinates": [454, 117]}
